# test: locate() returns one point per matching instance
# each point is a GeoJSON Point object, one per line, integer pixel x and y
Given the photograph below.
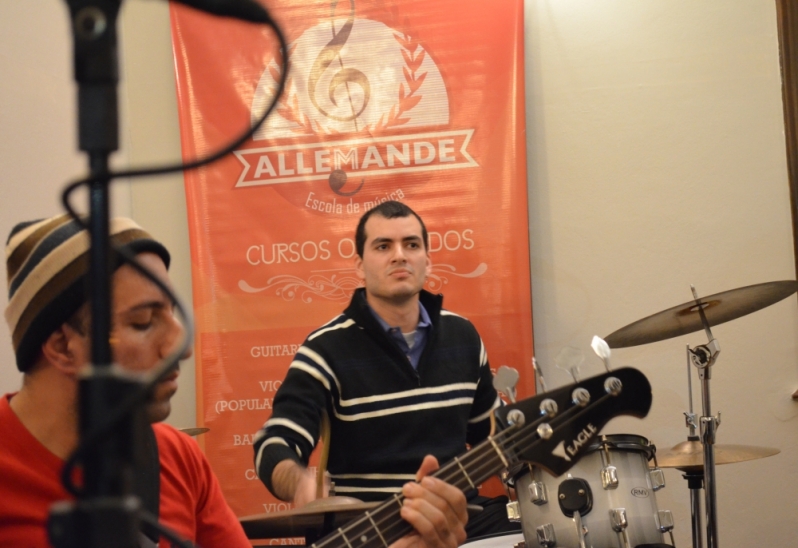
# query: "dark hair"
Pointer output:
{"type": "Point", "coordinates": [390, 210]}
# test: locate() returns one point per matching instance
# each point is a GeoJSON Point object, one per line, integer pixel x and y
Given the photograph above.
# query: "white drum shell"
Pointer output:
{"type": "Point", "coordinates": [635, 493]}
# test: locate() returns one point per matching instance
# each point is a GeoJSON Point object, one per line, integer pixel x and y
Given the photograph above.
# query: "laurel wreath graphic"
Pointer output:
{"type": "Point", "coordinates": [413, 55]}
{"type": "Point", "coordinates": [438, 274]}
{"type": "Point", "coordinates": [409, 99]}
{"type": "Point", "coordinates": [289, 287]}
{"type": "Point", "coordinates": [340, 288]}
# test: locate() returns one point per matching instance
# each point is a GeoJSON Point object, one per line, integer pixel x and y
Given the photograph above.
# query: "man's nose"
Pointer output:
{"type": "Point", "coordinates": [178, 332]}
{"type": "Point", "coordinates": [399, 254]}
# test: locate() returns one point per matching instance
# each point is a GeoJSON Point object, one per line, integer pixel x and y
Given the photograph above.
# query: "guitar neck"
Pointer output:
{"type": "Point", "coordinates": [568, 417]}
{"type": "Point", "coordinates": [382, 526]}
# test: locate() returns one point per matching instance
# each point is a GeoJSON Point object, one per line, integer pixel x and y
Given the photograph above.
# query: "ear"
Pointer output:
{"type": "Point", "coordinates": [65, 349]}
{"type": "Point", "coordinates": [359, 267]}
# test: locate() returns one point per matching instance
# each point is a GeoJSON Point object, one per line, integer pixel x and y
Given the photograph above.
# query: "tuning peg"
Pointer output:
{"type": "Point", "coordinates": [505, 380]}
{"type": "Point", "coordinates": [539, 378]}
{"type": "Point", "coordinates": [602, 350]}
{"type": "Point", "coordinates": [569, 359]}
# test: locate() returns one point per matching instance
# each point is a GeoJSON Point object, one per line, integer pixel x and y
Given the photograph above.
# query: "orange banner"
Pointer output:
{"type": "Point", "coordinates": [410, 100]}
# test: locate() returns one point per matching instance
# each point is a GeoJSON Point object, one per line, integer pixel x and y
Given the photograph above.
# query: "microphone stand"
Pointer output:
{"type": "Point", "coordinates": [106, 513]}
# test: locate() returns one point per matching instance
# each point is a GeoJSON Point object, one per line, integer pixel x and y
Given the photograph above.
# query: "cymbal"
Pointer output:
{"type": "Point", "coordinates": [328, 513]}
{"type": "Point", "coordinates": [194, 431]}
{"type": "Point", "coordinates": [311, 517]}
{"type": "Point", "coordinates": [718, 308]}
{"type": "Point", "coordinates": [688, 456]}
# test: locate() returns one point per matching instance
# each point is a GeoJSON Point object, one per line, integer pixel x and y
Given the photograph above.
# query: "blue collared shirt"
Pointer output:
{"type": "Point", "coordinates": [422, 330]}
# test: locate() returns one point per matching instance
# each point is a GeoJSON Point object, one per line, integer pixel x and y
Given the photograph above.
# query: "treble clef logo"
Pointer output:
{"type": "Point", "coordinates": [343, 77]}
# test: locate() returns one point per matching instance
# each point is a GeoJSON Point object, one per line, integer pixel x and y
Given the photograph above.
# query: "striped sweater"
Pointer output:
{"type": "Point", "coordinates": [384, 415]}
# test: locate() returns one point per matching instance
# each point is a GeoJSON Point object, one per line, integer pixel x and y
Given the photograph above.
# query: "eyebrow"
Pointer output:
{"type": "Point", "coordinates": [145, 305]}
{"type": "Point", "coordinates": [380, 240]}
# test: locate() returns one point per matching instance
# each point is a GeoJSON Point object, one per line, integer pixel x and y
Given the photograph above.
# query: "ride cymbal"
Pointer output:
{"type": "Point", "coordinates": [685, 318]}
{"type": "Point", "coordinates": [688, 456]}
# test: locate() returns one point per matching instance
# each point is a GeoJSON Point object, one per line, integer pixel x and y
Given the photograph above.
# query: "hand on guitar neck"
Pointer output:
{"type": "Point", "coordinates": [435, 509]}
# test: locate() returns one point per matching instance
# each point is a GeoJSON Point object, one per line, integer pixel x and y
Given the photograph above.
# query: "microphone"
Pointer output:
{"type": "Point", "coordinates": [245, 10]}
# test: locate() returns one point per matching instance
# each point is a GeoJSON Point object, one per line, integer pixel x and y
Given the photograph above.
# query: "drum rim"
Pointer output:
{"type": "Point", "coordinates": [623, 442]}
{"type": "Point", "coordinates": [615, 442]}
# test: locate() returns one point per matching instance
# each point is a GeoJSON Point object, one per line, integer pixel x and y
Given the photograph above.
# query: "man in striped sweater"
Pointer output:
{"type": "Point", "coordinates": [398, 376]}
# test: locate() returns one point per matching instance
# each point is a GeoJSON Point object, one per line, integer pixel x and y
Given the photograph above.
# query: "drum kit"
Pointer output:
{"type": "Point", "coordinates": [607, 498]}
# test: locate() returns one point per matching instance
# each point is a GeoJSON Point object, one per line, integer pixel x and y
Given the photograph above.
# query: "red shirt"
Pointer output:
{"type": "Point", "coordinates": [191, 500]}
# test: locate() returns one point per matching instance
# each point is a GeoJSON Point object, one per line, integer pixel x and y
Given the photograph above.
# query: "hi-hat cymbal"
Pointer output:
{"type": "Point", "coordinates": [194, 431]}
{"type": "Point", "coordinates": [688, 456]}
{"type": "Point", "coordinates": [328, 513]}
{"type": "Point", "coordinates": [718, 308]}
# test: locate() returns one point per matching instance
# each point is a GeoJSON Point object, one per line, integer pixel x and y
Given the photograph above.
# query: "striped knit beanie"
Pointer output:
{"type": "Point", "coordinates": [47, 261]}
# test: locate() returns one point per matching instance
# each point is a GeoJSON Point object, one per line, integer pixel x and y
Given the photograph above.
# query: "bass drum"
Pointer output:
{"type": "Point", "coordinates": [608, 495]}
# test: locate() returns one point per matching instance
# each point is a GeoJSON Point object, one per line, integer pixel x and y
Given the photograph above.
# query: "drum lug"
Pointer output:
{"type": "Point", "coordinates": [665, 519]}
{"type": "Point", "coordinates": [619, 524]}
{"type": "Point", "coordinates": [513, 512]}
{"type": "Point", "coordinates": [609, 477]}
{"type": "Point", "coordinates": [538, 493]}
{"type": "Point", "coordinates": [546, 535]}
{"type": "Point", "coordinates": [618, 519]}
{"type": "Point", "coordinates": [657, 478]}
{"type": "Point", "coordinates": [609, 473]}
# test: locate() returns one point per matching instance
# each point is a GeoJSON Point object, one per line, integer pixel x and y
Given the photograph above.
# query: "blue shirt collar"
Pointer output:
{"type": "Point", "coordinates": [423, 319]}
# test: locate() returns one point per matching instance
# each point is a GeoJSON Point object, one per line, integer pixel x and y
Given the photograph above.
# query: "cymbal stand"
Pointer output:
{"type": "Point", "coordinates": [695, 479]}
{"type": "Point", "coordinates": [703, 358]}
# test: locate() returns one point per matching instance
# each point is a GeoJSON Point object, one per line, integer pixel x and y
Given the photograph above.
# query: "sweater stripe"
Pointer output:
{"type": "Point", "coordinates": [311, 358]}
{"type": "Point", "coordinates": [323, 330]}
{"type": "Point", "coordinates": [405, 409]}
{"type": "Point", "coordinates": [274, 421]}
{"type": "Point", "coordinates": [445, 389]}
{"type": "Point", "coordinates": [259, 454]}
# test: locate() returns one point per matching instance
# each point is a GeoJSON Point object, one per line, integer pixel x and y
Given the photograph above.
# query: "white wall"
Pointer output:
{"type": "Point", "coordinates": [656, 160]}
{"type": "Point", "coordinates": [39, 138]}
{"type": "Point", "coordinates": [38, 135]}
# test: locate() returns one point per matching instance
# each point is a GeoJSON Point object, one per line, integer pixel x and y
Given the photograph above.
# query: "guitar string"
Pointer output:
{"type": "Point", "coordinates": [403, 526]}
{"type": "Point", "coordinates": [391, 505]}
{"type": "Point", "coordinates": [516, 436]}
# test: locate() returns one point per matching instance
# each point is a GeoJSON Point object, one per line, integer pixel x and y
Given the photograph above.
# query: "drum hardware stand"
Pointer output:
{"type": "Point", "coordinates": [703, 357]}
{"type": "Point", "coordinates": [695, 482]}
{"type": "Point", "coordinates": [695, 479]}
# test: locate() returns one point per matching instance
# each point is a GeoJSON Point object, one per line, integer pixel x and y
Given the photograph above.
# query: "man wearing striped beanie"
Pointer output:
{"type": "Point", "coordinates": [49, 320]}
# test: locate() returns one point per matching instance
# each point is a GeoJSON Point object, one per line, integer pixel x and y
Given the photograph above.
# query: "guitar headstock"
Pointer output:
{"type": "Point", "coordinates": [573, 426]}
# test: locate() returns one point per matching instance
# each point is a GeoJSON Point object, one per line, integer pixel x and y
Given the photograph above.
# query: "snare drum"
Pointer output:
{"type": "Point", "coordinates": [608, 496]}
